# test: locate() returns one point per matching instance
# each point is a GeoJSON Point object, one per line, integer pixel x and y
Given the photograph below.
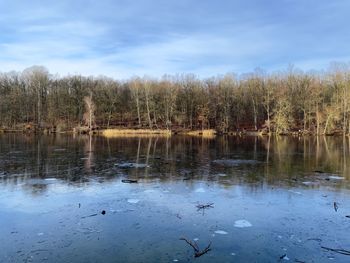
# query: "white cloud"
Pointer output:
{"type": "Point", "coordinates": [120, 39]}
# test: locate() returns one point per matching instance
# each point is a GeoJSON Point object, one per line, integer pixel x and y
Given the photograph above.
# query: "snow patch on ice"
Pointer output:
{"type": "Point", "coordinates": [242, 223]}
{"type": "Point", "coordinates": [334, 177]}
{"type": "Point", "coordinates": [221, 232]}
{"type": "Point", "coordinates": [133, 201]}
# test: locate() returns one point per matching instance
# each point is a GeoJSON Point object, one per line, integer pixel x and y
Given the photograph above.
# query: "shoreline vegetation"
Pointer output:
{"type": "Point", "coordinates": [110, 133]}
{"type": "Point", "coordinates": [291, 102]}
{"type": "Point", "coordinates": [120, 132]}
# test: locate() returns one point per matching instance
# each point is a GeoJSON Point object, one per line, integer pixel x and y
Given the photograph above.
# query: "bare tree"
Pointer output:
{"type": "Point", "coordinates": [37, 79]}
{"type": "Point", "coordinates": [89, 115]}
{"type": "Point", "coordinates": [135, 91]}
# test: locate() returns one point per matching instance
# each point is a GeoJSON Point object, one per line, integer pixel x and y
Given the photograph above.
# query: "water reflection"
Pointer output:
{"type": "Point", "coordinates": [87, 158]}
{"type": "Point", "coordinates": [89, 151]}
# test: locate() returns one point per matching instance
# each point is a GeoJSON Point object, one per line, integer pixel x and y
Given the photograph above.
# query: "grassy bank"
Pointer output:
{"type": "Point", "coordinates": [134, 132]}
{"type": "Point", "coordinates": [159, 132]}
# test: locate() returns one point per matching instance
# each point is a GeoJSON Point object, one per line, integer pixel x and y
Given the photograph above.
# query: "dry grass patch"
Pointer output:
{"type": "Point", "coordinates": [134, 132]}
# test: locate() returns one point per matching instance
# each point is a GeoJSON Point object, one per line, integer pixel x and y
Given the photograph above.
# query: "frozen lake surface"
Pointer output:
{"type": "Point", "coordinates": [62, 199]}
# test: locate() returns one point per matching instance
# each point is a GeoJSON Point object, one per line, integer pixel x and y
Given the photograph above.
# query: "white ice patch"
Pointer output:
{"type": "Point", "coordinates": [242, 223]}
{"type": "Point", "coordinates": [149, 191]}
{"type": "Point", "coordinates": [334, 177]}
{"type": "Point", "coordinates": [40, 234]}
{"type": "Point", "coordinates": [196, 239]}
{"type": "Point", "coordinates": [222, 175]}
{"type": "Point", "coordinates": [233, 254]}
{"type": "Point", "coordinates": [285, 258]}
{"type": "Point", "coordinates": [200, 190]}
{"type": "Point", "coordinates": [221, 232]}
{"type": "Point", "coordinates": [133, 201]}
{"type": "Point", "coordinates": [50, 179]}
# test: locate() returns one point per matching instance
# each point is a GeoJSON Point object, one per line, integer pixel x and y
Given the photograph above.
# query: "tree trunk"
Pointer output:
{"type": "Point", "coordinates": [255, 115]}
{"type": "Point", "coordinates": [326, 125]}
{"type": "Point", "coordinates": [317, 121]}
{"type": "Point", "coordinates": [138, 109]}
{"type": "Point", "coordinates": [147, 107]}
{"type": "Point", "coordinates": [109, 118]}
{"type": "Point", "coordinates": [39, 106]}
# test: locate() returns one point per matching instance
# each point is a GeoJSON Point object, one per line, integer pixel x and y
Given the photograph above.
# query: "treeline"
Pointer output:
{"type": "Point", "coordinates": [282, 102]}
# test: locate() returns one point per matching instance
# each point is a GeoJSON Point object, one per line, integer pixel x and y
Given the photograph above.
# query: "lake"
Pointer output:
{"type": "Point", "coordinates": [256, 199]}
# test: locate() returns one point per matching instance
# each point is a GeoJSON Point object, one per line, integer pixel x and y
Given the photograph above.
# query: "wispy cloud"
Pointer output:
{"type": "Point", "coordinates": [122, 38]}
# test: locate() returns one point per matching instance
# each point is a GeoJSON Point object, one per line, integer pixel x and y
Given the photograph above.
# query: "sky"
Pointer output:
{"type": "Point", "coordinates": [123, 38]}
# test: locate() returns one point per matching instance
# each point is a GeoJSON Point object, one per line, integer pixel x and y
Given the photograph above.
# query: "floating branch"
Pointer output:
{"type": "Point", "coordinates": [89, 216]}
{"type": "Point", "coordinates": [103, 212]}
{"type": "Point", "coordinates": [338, 250]}
{"type": "Point", "coordinates": [197, 251]}
{"type": "Point", "coordinates": [206, 206]}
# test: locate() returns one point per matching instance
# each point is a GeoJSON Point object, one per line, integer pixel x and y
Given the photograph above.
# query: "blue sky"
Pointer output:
{"type": "Point", "coordinates": [123, 38]}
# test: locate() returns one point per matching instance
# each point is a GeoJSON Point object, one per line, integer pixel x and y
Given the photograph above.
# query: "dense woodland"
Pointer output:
{"type": "Point", "coordinates": [282, 102]}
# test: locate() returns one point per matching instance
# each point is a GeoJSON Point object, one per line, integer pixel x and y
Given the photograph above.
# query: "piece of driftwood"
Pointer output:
{"type": "Point", "coordinates": [103, 212]}
{"type": "Point", "coordinates": [89, 216]}
{"type": "Point", "coordinates": [337, 250]}
{"type": "Point", "coordinates": [205, 206]}
{"type": "Point", "coordinates": [129, 181]}
{"type": "Point", "coordinates": [197, 251]}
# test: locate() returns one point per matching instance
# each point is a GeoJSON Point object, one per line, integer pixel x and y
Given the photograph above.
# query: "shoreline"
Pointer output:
{"type": "Point", "coordinates": [205, 133]}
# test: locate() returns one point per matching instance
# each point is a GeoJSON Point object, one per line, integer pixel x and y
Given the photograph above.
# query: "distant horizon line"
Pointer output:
{"type": "Point", "coordinates": [260, 71]}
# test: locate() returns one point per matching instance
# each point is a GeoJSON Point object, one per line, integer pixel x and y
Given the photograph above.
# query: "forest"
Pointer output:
{"type": "Point", "coordinates": [280, 102]}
